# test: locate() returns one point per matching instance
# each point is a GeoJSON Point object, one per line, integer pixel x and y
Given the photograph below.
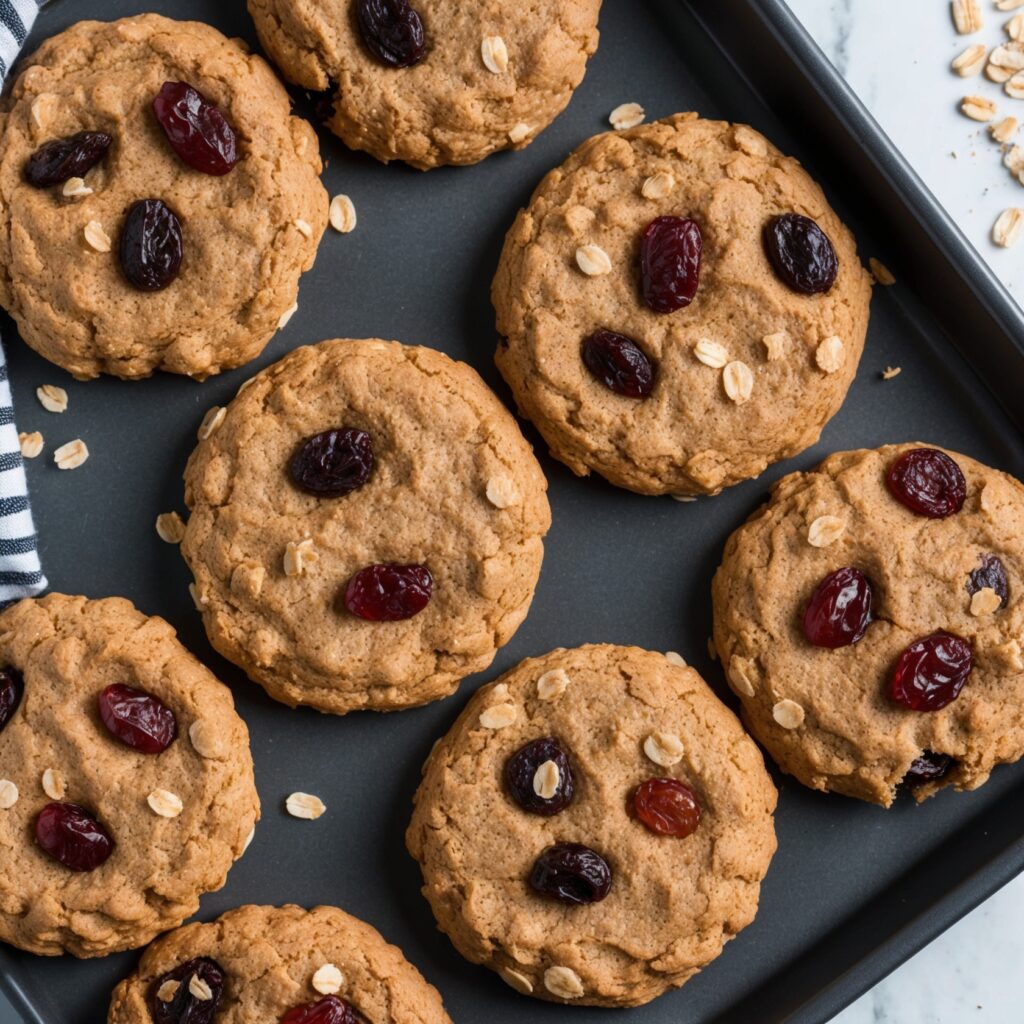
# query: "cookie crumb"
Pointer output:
{"type": "Point", "coordinates": [205, 738]}
{"type": "Point", "coordinates": [664, 748]}
{"type": "Point", "coordinates": [71, 455]}
{"type": "Point", "coordinates": [97, 238]}
{"type": "Point", "coordinates": [967, 16]}
{"type": "Point", "coordinates": [788, 714]}
{"type": "Point", "coordinates": [520, 982]}
{"type": "Point", "coordinates": [891, 371]}
{"type": "Point", "coordinates": [211, 422]}
{"type": "Point", "coordinates": [52, 398]}
{"type": "Point", "coordinates": [776, 345]}
{"type": "Point", "coordinates": [498, 716]}
{"type": "Point", "coordinates": [711, 353]}
{"type": "Point", "coordinates": [299, 556]}
{"type": "Point", "coordinates": [658, 186]}
{"type": "Point", "coordinates": [738, 381]}
{"type": "Point", "coordinates": [563, 982]}
{"type": "Point", "coordinates": [978, 108]}
{"type": "Point", "coordinates": [494, 54]}
{"type": "Point", "coordinates": [552, 684]}
{"type": "Point", "coordinates": [830, 354]}
{"type": "Point", "coordinates": [53, 784]}
{"type": "Point", "coordinates": [342, 216]}
{"type": "Point", "coordinates": [327, 980]}
{"type": "Point", "coordinates": [8, 794]}
{"type": "Point", "coordinates": [170, 527]}
{"type": "Point", "coordinates": [287, 315]}
{"type": "Point", "coordinates": [31, 444]}
{"type": "Point", "coordinates": [305, 805]}
{"type": "Point", "coordinates": [1008, 227]}
{"type": "Point", "coordinates": [626, 115]}
{"type": "Point", "coordinates": [75, 187]}
{"type": "Point", "coordinates": [165, 803]}
{"type": "Point", "coordinates": [985, 601]}
{"type": "Point", "coordinates": [593, 260]}
{"type": "Point", "coordinates": [970, 62]}
{"type": "Point", "coordinates": [825, 530]}
{"type": "Point", "coordinates": [546, 779]}
{"type": "Point", "coordinates": [881, 273]}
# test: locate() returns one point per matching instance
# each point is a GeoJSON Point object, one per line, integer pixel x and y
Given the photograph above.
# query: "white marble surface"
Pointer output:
{"type": "Point", "coordinates": [896, 55]}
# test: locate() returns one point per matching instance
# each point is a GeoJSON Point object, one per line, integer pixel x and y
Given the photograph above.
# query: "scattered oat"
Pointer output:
{"type": "Point", "coordinates": [995, 73]}
{"type": "Point", "coordinates": [1013, 160]}
{"type": "Point", "coordinates": [970, 62]}
{"type": "Point", "coordinates": [967, 16]}
{"type": "Point", "coordinates": [327, 980]}
{"type": "Point", "coordinates": [494, 53]}
{"type": "Point", "coordinates": [211, 422]}
{"type": "Point", "coordinates": [167, 991]}
{"type": "Point", "coordinates": [71, 455]}
{"type": "Point", "coordinates": [1007, 57]}
{"type": "Point", "coordinates": [305, 805]}
{"type": "Point", "coordinates": [1009, 5]}
{"type": "Point", "coordinates": [205, 738]}
{"type": "Point", "coordinates": [303, 227]}
{"type": "Point", "coordinates": [52, 398]}
{"type": "Point", "coordinates": [658, 186]}
{"type": "Point", "coordinates": [825, 530]}
{"type": "Point", "coordinates": [776, 345]}
{"type": "Point", "coordinates": [31, 444]}
{"type": "Point", "coordinates": [97, 238]}
{"type": "Point", "coordinates": [978, 108]}
{"type": "Point", "coordinates": [299, 556]}
{"type": "Point", "coordinates": [626, 115]}
{"type": "Point", "coordinates": [170, 527]}
{"type": "Point", "coordinates": [1004, 130]}
{"type": "Point", "coordinates": [563, 982]}
{"type": "Point", "coordinates": [498, 716]}
{"type": "Point", "coordinates": [788, 714]}
{"type": "Point", "coordinates": [752, 143]}
{"type": "Point", "coordinates": [342, 215]}
{"type": "Point", "coordinates": [198, 988]}
{"type": "Point", "coordinates": [75, 187]}
{"type": "Point", "coordinates": [830, 355]}
{"type": "Point", "coordinates": [593, 260]}
{"type": "Point", "coordinates": [8, 794]}
{"type": "Point", "coordinates": [738, 381]}
{"type": "Point", "coordinates": [286, 316]}
{"type": "Point", "coordinates": [891, 371]}
{"type": "Point", "coordinates": [520, 982]}
{"type": "Point", "coordinates": [53, 784]}
{"type": "Point", "coordinates": [1014, 28]}
{"type": "Point", "coordinates": [165, 803]}
{"type": "Point", "coordinates": [664, 748]}
{"type": "Point", "coordinates": [1008, 227]}
{"type": "Point", "coordinates": [552, 684]}
{"type": "Point", "coordinates": [985, 601]}
{"type": "Point", "coordinates": [501, 492]}
{"type": "Point", "coordinates": [675, 658]}
{"type": "Point", "coordinates": [519, 133]}
{"type": "Point", "coordinates": [711, 353]}
{"type": "Point", "coordinates": [881, 273]}
{"type": "Point", "coordinates": [1014, 88]}
{"type": "Point", "coordinates": [197, 599]}
{"type": "Point", "coordinates": [545, 780]}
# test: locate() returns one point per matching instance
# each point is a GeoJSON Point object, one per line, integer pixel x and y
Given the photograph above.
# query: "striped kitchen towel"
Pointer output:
{"type": "Point", "coordinates": [20, 572]}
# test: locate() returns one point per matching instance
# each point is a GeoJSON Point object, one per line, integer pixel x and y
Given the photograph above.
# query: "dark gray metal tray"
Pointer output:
{"type": "Point", "coordinates": [854, 890]}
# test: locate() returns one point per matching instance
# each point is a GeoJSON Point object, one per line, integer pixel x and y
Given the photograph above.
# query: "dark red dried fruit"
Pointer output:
{"type": "Point", "coordinates": [333, 463]}
{"type": "Point", "coordinates": [571, 873]}
{"type": "Point", "coordinates": [990, 573]}
{"type": "Point", "coordinates": [12, 687]}
{"type": "Point", "coordinates": [329, 1010]}
{"type": "Point", "coordinates": [71, 835]}
{"type": "Point", "coordinates": [388, 593]}
{"type": "Point", "coordinates": [839, 611]}
{"type": "Point", "coordinates": [151, 246]}
{"type": "Point", "coordinates": [54, 162]}
{"type": "Point", "coordinates": [196, 129]}
{"type": "Point", "coordinates": [619, 363]}
{"type": "Point", "coordinates": [670, 263]}
{"type": "Point", "coordinates": [801, 253]}
{"type": "Point", "coordinates": [928, 482]}
{"type": "Point", "coordinates": [667, 806]}
{"type": "Point", "coordinates": [931, 672]}
{"type": "Point", "coordinates": [392, 31]}
{"type": "Point", "coordinates": [138, 719]}
{"type": "Point", "coordinates": [521, 768]}
{"type": "Point", "coordinates": [928, 767]}
{"type": "Point", "coordinates": [183, 1007]}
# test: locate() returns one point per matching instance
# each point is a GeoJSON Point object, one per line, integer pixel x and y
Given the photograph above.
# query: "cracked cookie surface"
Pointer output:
{"type": "Point", "coordinates": [673, 903]}
{"type": "Point", "coordinates": [68, 649]}
{"type": "Point", "coordinates": [243, 253]}
{"type": "Point", "coordinates": [449, 108]}
{"type": "Point", "coordinates": [689, 436]}
{"type": "Point", "coordinates": [848, 736]}
{"type": "Point", "coordinates": [445, 451]}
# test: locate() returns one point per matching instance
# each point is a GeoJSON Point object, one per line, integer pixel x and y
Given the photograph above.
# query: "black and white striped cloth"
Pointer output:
{"type": "Point", "coordinates": [20, 572]}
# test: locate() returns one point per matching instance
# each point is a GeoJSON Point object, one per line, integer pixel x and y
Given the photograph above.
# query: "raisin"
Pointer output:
{"type": "Point", "coordinates": [801, 253]}
{"type": "Point", "coordinates": [329, 1010]}
{"type": "Point", "coordinates": [839, 611]}
{"type": "Point", "coordinates": [71, 835]}
{"type": "Point", "coordinates": [184, 1007]}
{"type": "Point", "coordinates": [54, 162]}
{"type": "Point", "coordinates": [667, 806]}
{"type": "Point", "coordinates": [392, 31]}
{"type": "Point", "coordinates": [990, 573]}
{"type": "Point", "coordinates": [196, 129]}
{"type": "Point", "coordinates": [12, 687]}
{"type": "Point", "coordinates": [138, 719]}
{"type": "Point", "coordinates": [928, 482]}
{"type": "Point", "coordinates": [619, 363]}
{"type": "Point", "coordinates": [333, 463]}
{"type": "Point", "coordinates": [670, 263]}
{"type": "Point", "coordinates": [151, 246]}
{"type": "Point", "coordinates": [931, 672]}
{"type": "Point", "coordinates": [928, 767]}
{"type": "Point", "coordinates": [571, 873]}
{"type": "Point", "coordinates": [389, 593]}
{"type": "Point", "coordinates": [521, 768]}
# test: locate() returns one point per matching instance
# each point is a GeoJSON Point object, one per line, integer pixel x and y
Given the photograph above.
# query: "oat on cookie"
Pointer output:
{"type": "Point", "coordinates": [282, 964]}
{"type": "Point", "coordinates": [724, 328]}
{"type": "Point", "coordinates": [450, 84]}
{"type": "Point", "coordinates": [130, 241]}
{"type": "Point", "coordinates": [131, 776]}
{"type": "Point", "coordinates": [567, 819]}
{"type": "Point", "coordinates": [870, 619]}
{"type": "Point", "coordinates": [366, 526]}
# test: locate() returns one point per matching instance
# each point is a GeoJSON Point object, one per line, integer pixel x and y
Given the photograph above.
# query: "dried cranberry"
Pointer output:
{"type": "Point", "coordinates": [928, 482]}
{"type": "Point", "coordinates": [151, 246]}
{"type": "Point", "coordinates": [388, 593]}
{"type": "Point", "coordinates": [138, 719]}
{"type": "Point", "coordinates": [183, 1007]}
{"type": "Point", "coordinates": [571, 873]}
{"type": "Point", "coordinates": [931, 672]}
{"type": "Point", "coordinates": [990, 573]}
{"type": "Point", "coordinates": [71, 835]}
{"type": "Point", "coordinates": [334, 462]}
{"type": "Point", "coordinates": [619, 363]}
{"type": "Point", "coordinates": [56, 161]}
{"type": "Point", "coordinates": [521, 768]}
{"type": "Point", "coordinates": [801, 253]}
{"type": "Point", "coordinates": [392, 31]}
{"type": "Point", "coordinates": [196, 129]}
{"type": "Point", "coordinates": [670, 263]}
{"type": "Point", "coordinates": [928, 767]}
{"type": "Point", "coordinates": [667, 806]}
{"type": "Point", "coordinates": [839, 611]}
{"type": "Point", "coordinates": [11, 689]}
{"type": "Point", "coordinates": [329, 1010]}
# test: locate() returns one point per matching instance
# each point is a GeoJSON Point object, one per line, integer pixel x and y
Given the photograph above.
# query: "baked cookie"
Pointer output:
{"type": "Point", "coordinates": [679, 307]}
{"type": "Point", "coordinates": [870, 618]}
{"type": "Point", "coordinates": [433, 83]}
{"type": "Point", "coordinates": [126, 786]}
{"type": "Point", "coordinates": [594, 827]}
{"type": "Point", "coordinates": [366, 528]}
{"type": "Point", "coordinates": [282, 964]}
{"type": "Point", "coordinates": [157, 200]}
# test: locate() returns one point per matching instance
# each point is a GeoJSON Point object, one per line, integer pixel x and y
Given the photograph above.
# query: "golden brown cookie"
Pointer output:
{"type": "Point", "coordinates": [165, 807]}
{"type": "Point", "coordinates": [834, 556]}
{"type": "Point", "coordinates": [589, 746]}
{"type": "Point", "coordinates": [259, 963]}
{"type": "Point", "coordinates": [246, 235]}
{"type": "Point", "coordinates": [492, 76]}
{"type": "Point", "coordinates": [744, 375]}
{"type": "Point", "coordinates": [434, 478]}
